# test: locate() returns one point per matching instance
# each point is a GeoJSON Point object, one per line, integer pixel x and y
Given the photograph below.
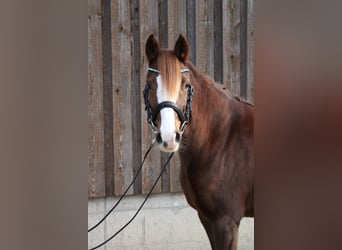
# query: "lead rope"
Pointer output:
{"type": "Point", "coordinates": [123, 195]}
{"type": "Point", "coordinates": [142, 204]}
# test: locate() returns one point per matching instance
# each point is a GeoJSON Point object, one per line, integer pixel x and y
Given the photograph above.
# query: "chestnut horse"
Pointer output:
{"type": "Point", "coordinates": [213, 133]}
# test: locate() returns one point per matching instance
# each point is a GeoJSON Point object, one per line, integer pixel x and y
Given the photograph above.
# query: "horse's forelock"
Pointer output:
{"type": "Point", "coordinates": [169, 67]}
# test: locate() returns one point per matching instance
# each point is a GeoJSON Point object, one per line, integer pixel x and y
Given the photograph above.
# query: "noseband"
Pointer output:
{"type": "Point", "coordinates": [153, 113]}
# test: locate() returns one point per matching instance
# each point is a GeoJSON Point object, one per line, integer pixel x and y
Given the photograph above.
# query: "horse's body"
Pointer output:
{"type": "Point", "coordinates": [216, 148]}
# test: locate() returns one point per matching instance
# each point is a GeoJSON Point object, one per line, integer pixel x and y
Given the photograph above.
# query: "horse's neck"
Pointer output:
{"type": "Point", "coordinates": [210, 117]}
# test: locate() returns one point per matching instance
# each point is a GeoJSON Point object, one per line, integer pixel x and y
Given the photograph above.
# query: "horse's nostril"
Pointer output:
{"type": "Point", "coordinates": [178, 136]}
{"type": "Point", "coordinates": [165, 144]}
{"type": "Point", "coordinates": [159, 139]}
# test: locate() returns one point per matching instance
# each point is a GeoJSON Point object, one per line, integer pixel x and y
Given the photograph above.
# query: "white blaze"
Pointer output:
{"type": "Point", "coordinates": [167, 115]}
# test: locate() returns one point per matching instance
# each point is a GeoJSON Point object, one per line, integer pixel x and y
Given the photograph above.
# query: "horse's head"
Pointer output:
{"type": "Point", "coordinates": [168, 92]}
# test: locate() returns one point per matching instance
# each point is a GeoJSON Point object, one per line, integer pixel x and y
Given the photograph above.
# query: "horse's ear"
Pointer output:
{"type": "Point", "coordinates": [152, 48]}
{"type": "Point", "coordinates": [182, 48]}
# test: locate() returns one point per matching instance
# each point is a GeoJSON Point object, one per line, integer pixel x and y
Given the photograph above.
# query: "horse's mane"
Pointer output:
{"type": "Point", "coordinates": [206, 79]}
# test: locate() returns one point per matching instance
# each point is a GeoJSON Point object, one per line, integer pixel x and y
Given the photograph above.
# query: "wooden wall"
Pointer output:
{"type": "Point", "coordinates": [221, 40]}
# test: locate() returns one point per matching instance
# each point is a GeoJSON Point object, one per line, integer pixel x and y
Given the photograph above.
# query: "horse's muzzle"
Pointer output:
{"type": "Point", "coordinates": [170, 144]}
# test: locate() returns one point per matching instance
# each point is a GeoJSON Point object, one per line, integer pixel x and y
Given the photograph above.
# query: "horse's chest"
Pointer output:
{"type": "Point", "coordinates": [200, 189]}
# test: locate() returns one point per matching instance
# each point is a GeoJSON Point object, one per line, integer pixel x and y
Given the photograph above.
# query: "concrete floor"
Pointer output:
{"type": "Point", "coordinates": [166, 222]}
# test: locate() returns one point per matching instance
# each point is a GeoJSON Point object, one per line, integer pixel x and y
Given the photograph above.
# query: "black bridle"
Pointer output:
{"type": "Point", "coordinates": [153, 113]}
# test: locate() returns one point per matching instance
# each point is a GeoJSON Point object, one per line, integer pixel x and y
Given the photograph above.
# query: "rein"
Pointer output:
{"type": "Point", "coordinates": [152, 114]}
{"type": "Point", "coordinates": [124, 194]}
{"type": "Point", "coordinates": [142, 204]}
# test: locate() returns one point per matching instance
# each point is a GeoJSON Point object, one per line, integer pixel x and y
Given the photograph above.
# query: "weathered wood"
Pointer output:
{"type": "Point", "coordinates": [243, 48]}
{"type": "Point", "coordinates": [218, 52]}
{"type": "Point", "coordinates": [231, 45]}
{"type": "Point", "coordinates": [96, 176]}
{"type": "Point", "coordinates": [250, 51]}
{"type": "Point", "coordinates": [148, 25]}
{"type": "Point", "coordinates": [136, 92]}
{"type": "Point", "coordinates": [220, 45]}
{"type": "Point", "coordinates": [176, 20]}
{"type": "Point", "coordinates": [163, 23]}
{"type": "Point", "coordinates": [107, 96]}
{"type": "Point", "coordinates": [176, 26]}
{"type": "Point", "coordinates": [205, 36]}
{"type": "Point", "coordinates": [191, 28]}
{"type": "Point", "coordinates": [122, 95]}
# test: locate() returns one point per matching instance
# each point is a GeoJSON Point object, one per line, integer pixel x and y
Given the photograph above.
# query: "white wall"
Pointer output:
{"type": "Point", "coordinates": [166, 222]}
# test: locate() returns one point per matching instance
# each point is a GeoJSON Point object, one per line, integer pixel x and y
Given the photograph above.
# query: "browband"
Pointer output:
{"type": "Point", "coordinates": [158, 71]}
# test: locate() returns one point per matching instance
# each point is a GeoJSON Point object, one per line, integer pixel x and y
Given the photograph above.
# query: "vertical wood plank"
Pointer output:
{"type": "Point", "coordinates": [148, 24]}
{"type": "Point", "coordinates": [231, 45]}
{"type": "Point", "coordinates": [136, 92]}
{"type": "Point", "coordinates": [191, 28]}
{"type": "Point", "coordinates": [96, 176]}
{"type": "Point", "coordinates": [218, 53]}
{"type": "Point", "coordinates": [205, 36]}
{"type": "Point", "coordinates": [163, 23]}
{"type": "Point", "coordinates": [243, 48]}
{"type": "Point", "coordinates": [122, 95]}
{"type": "Point", "coordinates": [250, 51]}
{"type": "Point", "coordinates": [107, 96]}
{"type": "Point", "coordinates": [176, 26]}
